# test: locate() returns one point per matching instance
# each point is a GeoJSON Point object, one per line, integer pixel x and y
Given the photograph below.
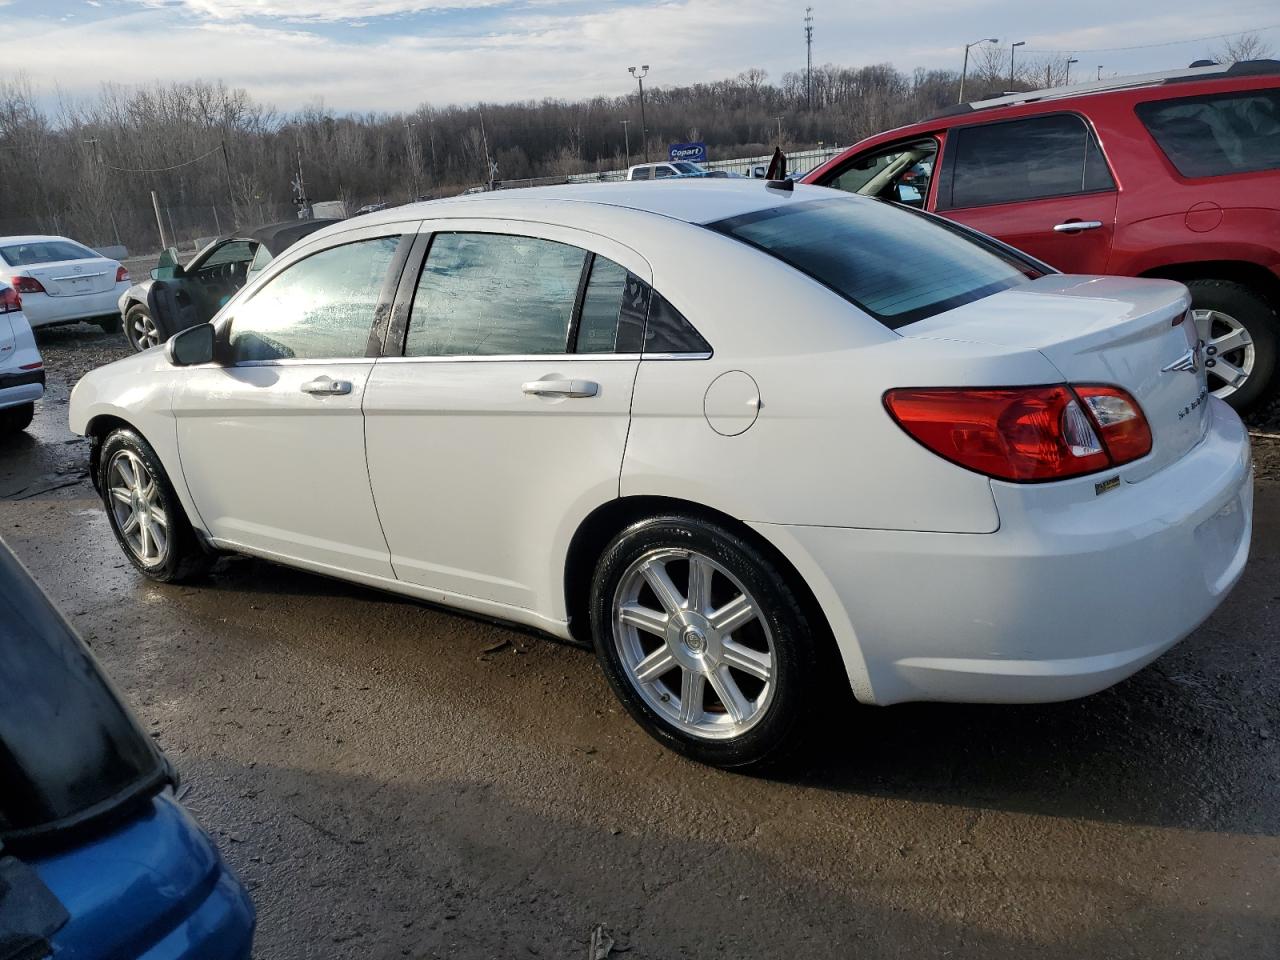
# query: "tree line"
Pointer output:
{"type": "Point", "coordinates": [219, 160]}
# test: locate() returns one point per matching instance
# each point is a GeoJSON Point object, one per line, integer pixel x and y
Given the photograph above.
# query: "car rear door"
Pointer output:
{"type": "Point", "coordinates": [1040, 184]}
{"type": "Point", "coordinates": [500, 417]}
{"type": "Point", "coordinates": [272, 438]}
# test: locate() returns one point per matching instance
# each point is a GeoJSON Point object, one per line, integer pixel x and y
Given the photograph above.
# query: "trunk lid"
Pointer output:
{"type": "Point", "coordinates": [73, 278]}
{"type": "Point", "coordinates": [1110, 330]}
{"type": "Point", "coordinates": [7, 339]}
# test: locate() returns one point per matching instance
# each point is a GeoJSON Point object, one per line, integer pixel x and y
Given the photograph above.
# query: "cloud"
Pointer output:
{"type": "Point", "coordinates": [333, 11]}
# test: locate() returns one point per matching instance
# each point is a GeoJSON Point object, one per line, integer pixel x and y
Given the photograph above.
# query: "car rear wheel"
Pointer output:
{"type": "Point", "coordinates": [140, 330]}
{"type": "Point", "coordinates": [1239, 329]}
{"type": "Point", "coordinates": [145, 513]}
{"type": "Point", "coordinates": [16, 419]}
{"type": "Point", "coordinates": [705, 643]}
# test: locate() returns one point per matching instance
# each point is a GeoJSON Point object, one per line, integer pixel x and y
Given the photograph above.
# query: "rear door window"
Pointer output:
{"type": "Point", "coordinates": [1211, 136]}
{"type": "Point", "coordinates": [890, 262]}
{"type": "Point", "coordinates": [1051, 156]}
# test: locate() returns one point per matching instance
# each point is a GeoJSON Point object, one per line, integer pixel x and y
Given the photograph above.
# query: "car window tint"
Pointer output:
{"type": "Point", "coordinates": [1026, 159]}
{"type": "Point", "coordinates": [44, 251]}
{"type": "Point", "coordinates": [488, 294]}
{"type": "Point", "coordinates": [665, 172]}
{"type": "Point", "coordinates": [667, 330]}
{"type": "Point", "coordinates": [236, 251]}
{"type": "Point", "coordinates": [613, 310]}
{"type": "Point", "coordinates": [319, 308]}
{"type": "Point", "coordinates": [891, 262]}
{"type": "Point", "coordinates": [1215, 135]}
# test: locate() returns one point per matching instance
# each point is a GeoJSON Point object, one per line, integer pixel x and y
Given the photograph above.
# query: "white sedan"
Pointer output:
{"type": "Point", "coordinates": [21, 367]}
{"type": "Point", "coordinates": [62, 281]}
{"type": "Point", "coordinates": [743, 439]}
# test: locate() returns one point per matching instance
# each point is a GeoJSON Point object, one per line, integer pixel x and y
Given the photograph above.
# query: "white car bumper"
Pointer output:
{"type": "Point", "coordinates": [19, 386]}
{"type": "Point", "coordinates": [42, 309]}
{"type": "Point", "coordinates": [1073, 593]}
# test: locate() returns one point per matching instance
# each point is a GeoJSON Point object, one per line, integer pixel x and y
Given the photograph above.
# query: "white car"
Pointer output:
{"type": "Point", "coordinates": [62, 281]}
{"type": "Point", "coordinates": [21, 367]}
{"type": "Point", "coordinates": [744, 440]}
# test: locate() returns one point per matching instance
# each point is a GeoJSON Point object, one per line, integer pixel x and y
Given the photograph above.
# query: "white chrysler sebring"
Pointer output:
{"type": "Point", "coordinates": [741, 438]}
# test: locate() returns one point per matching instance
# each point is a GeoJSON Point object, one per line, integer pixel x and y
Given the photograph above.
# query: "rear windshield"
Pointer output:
{"type": "Point", "coordinates": [44, 251]}
{"type": "Point", "coordinates": [888, 261]}
{"type": "Point", "coordinates": [1216, 135]}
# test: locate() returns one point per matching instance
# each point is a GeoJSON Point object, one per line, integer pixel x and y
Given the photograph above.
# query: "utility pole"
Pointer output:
{"type": "Point", "coordinates": [626, 135]}
{"type": "Point", "coordinates": [1012, 50]}
{"type": "Point", "coordinates": [97, 162]}
{"type": "Point", "coordinates": [412, 152]}
{"type": "Point", "coordinates": [1099, 71]}
{"type": "Point", "coordinates": [490, 168]}
{"type": "Point", "coordinates": [964, 71]}
{"type": "Point", "coordinates": [1067, 80]}
{"type": "Point", "coordinates": [808, 58]}
{"type": "Point", "coordinates": [155, 204]}
{"type": "Point", "coordinates": [778, 120]}
{"type": "Point", "coordinates": [231, 193]}
{"type": "Point", "coordinates": [644, 127]}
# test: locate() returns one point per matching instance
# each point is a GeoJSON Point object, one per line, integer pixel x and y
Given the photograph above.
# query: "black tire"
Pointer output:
{"type": "Point", "coordinates": [801, 648]}
{"type": "Point", "coordinates": [134, 317]}
{"type": "Point", "coordinates": [183, 557]}
{"type": "Point", "coordinates": [110, 324]}
{"type": "Point", "coordinates": [1259, 319]}
{"type": "Point", "coordinates": [16, 419]}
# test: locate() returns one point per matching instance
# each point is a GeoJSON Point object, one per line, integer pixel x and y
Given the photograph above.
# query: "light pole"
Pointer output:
{"type": "Point", "coordinates": [1012, 50]}
{"type": "Point", "coordinates": [779, 122]}
{"type": "Point", "coordinates": [644, 127]}
{"type": "Point", "coordinates": [1099, 71]}
{"type": "Point", "coordinates": [964, 71]}
{"type": "Point", "coordinates": [626, 134]}
{"type": "Point", "coordinates": [1067, 80]}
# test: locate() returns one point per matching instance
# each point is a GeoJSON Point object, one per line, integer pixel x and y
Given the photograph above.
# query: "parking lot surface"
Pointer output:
{"type": "Point", "coordinates": [392, 780]}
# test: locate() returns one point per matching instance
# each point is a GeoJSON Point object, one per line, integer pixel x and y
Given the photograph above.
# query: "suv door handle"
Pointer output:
{"type": "Point", "coordinates": [326, 387]}
{"type": "Point", "coordinates": [1075, 226]}
{"type": "Point", "coordinates": [561, 388]}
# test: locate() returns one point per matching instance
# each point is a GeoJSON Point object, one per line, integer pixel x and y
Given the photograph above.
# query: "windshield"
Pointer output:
{"type": "Point", "coordinates": [890, 262]}
{"type": "Point", "coordinates": [44, 251]}
{"type": "Point", "coordinates": [685, 167]}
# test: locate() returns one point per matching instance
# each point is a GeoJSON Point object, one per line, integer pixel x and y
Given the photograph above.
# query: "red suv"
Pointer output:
{"type": "Point", "coordinates": [1173, 175]}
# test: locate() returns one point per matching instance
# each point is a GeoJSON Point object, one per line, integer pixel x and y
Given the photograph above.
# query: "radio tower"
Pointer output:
{"type": "Point", "coordinates": [808, 70]}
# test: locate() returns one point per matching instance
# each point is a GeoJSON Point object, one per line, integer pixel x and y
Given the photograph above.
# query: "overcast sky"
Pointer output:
{"type": "Point", "coordinates": [387, 55]}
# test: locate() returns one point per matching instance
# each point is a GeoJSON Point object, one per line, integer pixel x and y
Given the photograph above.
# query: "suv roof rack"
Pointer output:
{"type": "Point", "coordinates": [1243, 68]}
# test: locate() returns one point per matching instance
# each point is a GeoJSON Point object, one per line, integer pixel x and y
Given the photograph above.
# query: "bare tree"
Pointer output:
{"type": "Point", "coordinates": [1245, 46]}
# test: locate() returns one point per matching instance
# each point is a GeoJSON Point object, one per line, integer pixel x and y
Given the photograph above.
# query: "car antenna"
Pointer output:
{"type": "Point", "coordinates": [776, 175]}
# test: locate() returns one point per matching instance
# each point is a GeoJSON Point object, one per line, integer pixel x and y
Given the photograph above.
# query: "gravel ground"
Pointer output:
{"type": "Point", "coordinates": [392, 780]}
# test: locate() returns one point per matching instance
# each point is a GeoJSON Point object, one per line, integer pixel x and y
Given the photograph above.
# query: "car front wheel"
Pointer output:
{"type": "Point", "coordinates": [705, 643]}
{"type": "Point", "coordinates": [145, 513]}
{"type": "Point", "coordinates": [140, 329]}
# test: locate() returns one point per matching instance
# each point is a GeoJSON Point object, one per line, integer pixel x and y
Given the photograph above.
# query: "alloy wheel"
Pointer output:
{"type": "Point", "coordinates": [703, 657]}
{"type": "Point", "coordinates": [1228, 351]}
{"type": "Point", "coordinates": [145, 333]}
{"type": "Point", "coordinates": [134, 498]}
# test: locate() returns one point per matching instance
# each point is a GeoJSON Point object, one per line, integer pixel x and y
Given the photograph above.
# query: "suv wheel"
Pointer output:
{"type": "Point", "coordinates": [705, 643]}
{"type": "Point", "coordinates": [1239, 329]}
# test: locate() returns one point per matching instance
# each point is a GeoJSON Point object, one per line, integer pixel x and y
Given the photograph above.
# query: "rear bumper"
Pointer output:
{"type": "Point", "coordinates": [42, 309]}
{"type": "Point", "coordinates": [1073, 593]}
{"type": "Point", "coordinates": [22, 386]}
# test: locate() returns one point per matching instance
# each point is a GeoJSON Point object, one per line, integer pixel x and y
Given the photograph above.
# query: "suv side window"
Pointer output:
{"type": "Point", "coordinates": [320, 308]}
{"type": "Point", "coordinates": [663, 171]}
{"type": "Point", "coordinates": [900, 173]}
{"type": "Point", "coordinates": [1210, 136]}
{"type": "Point", "coordinates": [1012, 160]}
{"type": "Point", "coordinates": [642, 173]}
{"type": "Point", "coordinates": [491, 294]}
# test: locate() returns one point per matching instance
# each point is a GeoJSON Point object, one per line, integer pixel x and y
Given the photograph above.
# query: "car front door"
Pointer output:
{"type": "Point", "coordinates": [1040, 184]}
{"type": "Point", "coordinates": [271, 439]}
{"type": "Point", "coordinates": [505, 418]}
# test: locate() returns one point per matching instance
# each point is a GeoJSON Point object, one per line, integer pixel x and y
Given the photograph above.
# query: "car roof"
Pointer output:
{"type": "Point", "coordinates": [38, 238]}
{"type": "Point", "coordinates": [278, 237]}
{"type": "Point", "coordinates": [693, 200]}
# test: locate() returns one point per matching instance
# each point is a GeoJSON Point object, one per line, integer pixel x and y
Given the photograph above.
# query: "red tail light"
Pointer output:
{"type": "Point", "coordinates": [1025, 434]}
{"type": "Point", "coordinates": [122, 275]}
{"type": "Point", "coordinates": [27, 285]}
{"type": "Point", "coordinates": [10, 302]}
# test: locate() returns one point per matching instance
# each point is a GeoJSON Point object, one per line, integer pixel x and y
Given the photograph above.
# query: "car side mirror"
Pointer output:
{"type": "Point", "coordinates": [191, 347]}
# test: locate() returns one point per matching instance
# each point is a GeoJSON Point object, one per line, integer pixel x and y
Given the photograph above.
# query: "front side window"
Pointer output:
{"type": "Point", "coordinates": [491, 294]}
{"type": "Point", "coordinates": [1030, 159]}
{"type": "Point", "coordinates": [900, 173]}
{"type": "Point", "coordinates": [890, 262]}
{"type": "Point", "coordinates": [320, 308]}
{"type": "Point", "coordinates": [44, 251]}
{"type": "Point", "coordinates": [1216, 135]}
{"type": "Point", "coordinates": [664, 172]}
{"type": "Point", "coordinates": [233, 251]}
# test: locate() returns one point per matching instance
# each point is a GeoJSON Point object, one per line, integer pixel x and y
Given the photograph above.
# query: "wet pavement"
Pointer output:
{"type": "Point", "coordinates": [392, 780]}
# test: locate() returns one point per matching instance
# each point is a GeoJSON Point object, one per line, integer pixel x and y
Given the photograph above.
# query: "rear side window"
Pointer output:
{"type": "Point", "coordinates": [1051, 156]}
{"type": "Point", "coordinates": [1215, 135]}
{"type": "Point", "coordinates": [642, 173]}
{"type": "Point", "coordinates": [890, 262]}
{"type": "Point", "coordinates": [44, 251]}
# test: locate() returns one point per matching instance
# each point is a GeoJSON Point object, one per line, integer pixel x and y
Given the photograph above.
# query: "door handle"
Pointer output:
{"type": "Point", "coordinates": [561, 388]}
{"type": "Point", "coordinates": [326, 387]}
{"type": "Point", "coordinates": [1075, 226]}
